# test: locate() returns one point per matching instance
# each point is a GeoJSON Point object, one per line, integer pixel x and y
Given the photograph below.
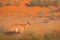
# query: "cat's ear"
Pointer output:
{"type": "Point", "coordinates": [28, 24]}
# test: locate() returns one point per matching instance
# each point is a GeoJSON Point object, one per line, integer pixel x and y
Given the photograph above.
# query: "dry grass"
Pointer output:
{"type": "Point", "coordinates": [25, 36]}
{"type": "Point", "coordinates": [54, 35]}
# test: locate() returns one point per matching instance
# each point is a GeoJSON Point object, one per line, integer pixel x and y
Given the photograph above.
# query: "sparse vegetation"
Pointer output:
{"type": "Point", "coordinates": [54, 35]}
{"type": "Point", "coordinates": [40, 14]}
{"type": "Point", "coordinates": [43, 3]}
{"type": "Point", "coordinates": [25, 36]}
{"type": "Point", "coordinates": [30, 36]}
{"type": "Point", "coordinates": [46, 4]}
{"type": "Point", "coordinates": [54, 3]}
{"type": "Point", "coordinates": [17, 3]}
{"type": "Point", "coordinates": [9, 3]}
{"type": "Point", "coordinates": [1, 4]}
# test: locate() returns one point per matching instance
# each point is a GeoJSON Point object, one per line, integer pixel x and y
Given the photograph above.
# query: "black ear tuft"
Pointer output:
{"type": "Point", "coordinates": [29, 23]}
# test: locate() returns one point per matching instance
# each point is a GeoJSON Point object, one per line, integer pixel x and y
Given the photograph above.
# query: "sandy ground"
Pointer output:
{"type": "Point", "coordinates": [38, 25]}
{"type": "Point", "coordinates": [16, 15]}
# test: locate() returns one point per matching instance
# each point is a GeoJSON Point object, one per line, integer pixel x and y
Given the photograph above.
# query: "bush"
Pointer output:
{"type": "Point", "coordinates": [1, 4]}
{"type": "Point", "coordinates": [43, 3]}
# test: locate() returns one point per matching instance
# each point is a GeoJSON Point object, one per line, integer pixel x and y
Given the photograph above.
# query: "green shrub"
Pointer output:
{"type": "Point", "coordinates": [43, 3]}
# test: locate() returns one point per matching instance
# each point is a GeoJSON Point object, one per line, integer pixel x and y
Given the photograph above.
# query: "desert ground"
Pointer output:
{"type": "Point", "coordinates": [42, 20]}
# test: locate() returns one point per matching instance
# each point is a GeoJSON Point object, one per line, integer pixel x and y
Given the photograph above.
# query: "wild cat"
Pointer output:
{"type": "Point", "coordinates": [19, 27]}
